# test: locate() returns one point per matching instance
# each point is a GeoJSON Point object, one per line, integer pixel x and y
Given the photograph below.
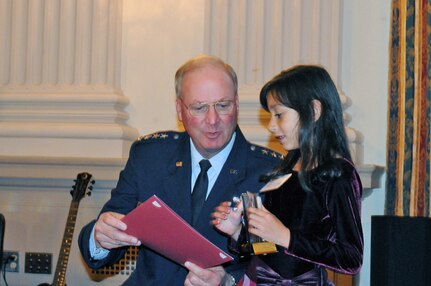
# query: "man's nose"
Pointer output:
{"type": "Point", "coordinates": [212, 115]}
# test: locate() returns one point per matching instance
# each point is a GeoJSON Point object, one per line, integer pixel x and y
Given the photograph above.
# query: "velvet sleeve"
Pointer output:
{"type": "Point", "coordinates": [342, 250]}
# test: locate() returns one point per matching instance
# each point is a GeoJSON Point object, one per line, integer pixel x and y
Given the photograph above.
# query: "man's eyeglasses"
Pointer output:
{"type": "Point", "coordinates": [223, 107]}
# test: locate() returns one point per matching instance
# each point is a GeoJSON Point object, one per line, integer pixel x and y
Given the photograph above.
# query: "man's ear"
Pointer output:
{"type": "Point", "coordinates": [317, 107]}
{"type": "Point", "coordinates": [178, 107]}
{"type": "Point", "coordinates": [237, 103]}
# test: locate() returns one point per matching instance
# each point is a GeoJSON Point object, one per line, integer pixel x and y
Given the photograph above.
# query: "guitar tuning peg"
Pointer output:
{"type": "Point", "coordinates": [90, 187]}
{"type": "Point", "coordinates": [71, 192]}
{"type": "Point", "coordinates": [93, 181]}
{"type": "Point", "coordinates": [89, 194]}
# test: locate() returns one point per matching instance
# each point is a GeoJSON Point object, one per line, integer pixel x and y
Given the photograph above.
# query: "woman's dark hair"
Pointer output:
{"type": "Point", "coordinates": [320, 140]}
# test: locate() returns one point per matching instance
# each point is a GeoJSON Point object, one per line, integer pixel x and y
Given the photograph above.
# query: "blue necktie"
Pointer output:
{"type": "Point", "coordinates": [200, 190]}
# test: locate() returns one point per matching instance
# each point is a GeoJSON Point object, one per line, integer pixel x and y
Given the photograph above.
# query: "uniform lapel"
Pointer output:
{"type": "Point", "coordinates": [227, 182]}
{"type": "Point", "coordinates": [176, 185]}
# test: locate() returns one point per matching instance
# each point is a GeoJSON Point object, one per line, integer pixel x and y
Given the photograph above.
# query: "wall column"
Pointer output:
{"type": "Point", "coordinates": [60, 90]}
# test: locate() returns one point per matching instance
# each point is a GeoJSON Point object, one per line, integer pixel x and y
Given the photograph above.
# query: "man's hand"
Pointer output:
{"type": "Point", "coordinates": [203, 277]}
{"type": "Point", "coordinates": [109, 232]}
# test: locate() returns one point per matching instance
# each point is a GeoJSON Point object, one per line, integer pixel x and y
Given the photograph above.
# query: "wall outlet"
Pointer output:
{"type": "Point", "coordinates": [11, 260]}
{"type": "Point", "coordinates": [38, 263]}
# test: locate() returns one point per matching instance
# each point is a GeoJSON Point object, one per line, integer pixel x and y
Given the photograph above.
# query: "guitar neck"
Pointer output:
{"type": "Point", "coordinates": [63, 257]}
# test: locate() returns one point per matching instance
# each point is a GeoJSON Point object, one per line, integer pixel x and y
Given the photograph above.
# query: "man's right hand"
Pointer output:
{"type": "Point", "coordinates": [109, 232]}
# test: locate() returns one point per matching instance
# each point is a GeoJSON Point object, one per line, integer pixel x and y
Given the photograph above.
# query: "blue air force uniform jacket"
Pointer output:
{"type": "Point", "coordinates": [160, 164]}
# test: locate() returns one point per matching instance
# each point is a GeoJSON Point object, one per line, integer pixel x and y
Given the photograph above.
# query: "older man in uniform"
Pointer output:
{"type": "Point", "coordinates": [168, 163]}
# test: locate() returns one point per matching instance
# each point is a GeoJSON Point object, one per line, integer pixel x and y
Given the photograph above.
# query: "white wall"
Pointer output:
{"type": "Point", "coordinates": [365, 81]}
{"type": "Point", "coordinates": [154, 45]}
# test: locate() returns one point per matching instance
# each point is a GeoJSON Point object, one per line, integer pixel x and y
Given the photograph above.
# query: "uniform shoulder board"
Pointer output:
{"type": "Point", "coordinates": [265, 152]}
{"type": "Point", "coordinates": [160, 136]}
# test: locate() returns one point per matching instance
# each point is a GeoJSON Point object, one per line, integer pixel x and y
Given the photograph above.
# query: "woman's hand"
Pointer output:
{"type": "Point", "coordinates": [267, 226]}
{"type": "Point", "coordinates": [228, 219]}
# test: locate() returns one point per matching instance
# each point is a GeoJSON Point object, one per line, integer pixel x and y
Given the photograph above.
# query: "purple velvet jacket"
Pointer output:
{"type": "Point", "coordinates": [325, 223]}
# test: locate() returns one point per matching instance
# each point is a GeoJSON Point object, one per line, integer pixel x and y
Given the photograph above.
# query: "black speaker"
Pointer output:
{"type": "Point", "coordinates": [2, 227]}
{"type": "Point", "coordinates": [400, 251]}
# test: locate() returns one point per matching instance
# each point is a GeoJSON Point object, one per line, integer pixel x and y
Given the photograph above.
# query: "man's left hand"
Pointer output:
{"type": "Point", "coordinates": [203, 277]}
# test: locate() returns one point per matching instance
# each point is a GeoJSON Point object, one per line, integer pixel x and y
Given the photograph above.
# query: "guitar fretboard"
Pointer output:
{"type": "Point", "coordinates": [63, 257]}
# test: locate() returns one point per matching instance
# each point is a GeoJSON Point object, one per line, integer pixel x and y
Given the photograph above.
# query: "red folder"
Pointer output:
{"type": "Point", "coordinates": [158, 227]}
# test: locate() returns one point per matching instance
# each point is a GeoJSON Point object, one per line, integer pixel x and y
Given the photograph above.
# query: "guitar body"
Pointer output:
{"type": "Point", "coordinates": [83, 184]}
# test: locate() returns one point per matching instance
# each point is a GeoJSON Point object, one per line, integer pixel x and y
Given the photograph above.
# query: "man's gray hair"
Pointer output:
{"type": "Point", "coordinates": [199, 62]}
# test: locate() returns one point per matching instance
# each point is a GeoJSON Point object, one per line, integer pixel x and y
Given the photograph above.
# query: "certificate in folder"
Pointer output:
{"type": "Point", "coordinates": [158, 227]}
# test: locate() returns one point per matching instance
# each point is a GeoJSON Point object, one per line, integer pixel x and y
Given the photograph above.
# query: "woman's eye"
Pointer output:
{"type": "Point", "coordinates": [277, 115]}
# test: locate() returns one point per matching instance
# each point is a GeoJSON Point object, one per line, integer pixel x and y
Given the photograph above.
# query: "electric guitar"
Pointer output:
{"type": "Point", "coordinates": [82, 187]}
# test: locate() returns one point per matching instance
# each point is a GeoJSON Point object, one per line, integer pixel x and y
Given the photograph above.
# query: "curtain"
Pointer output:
{"type": "Point", "coordinates": [408, 138]}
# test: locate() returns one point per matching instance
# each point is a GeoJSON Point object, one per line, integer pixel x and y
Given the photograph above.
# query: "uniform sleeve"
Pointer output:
{"type": "Point", "coordinates": [97, 253]}
{"type": "Point", "coordinates": [84, 241]}
{"type": "Point", "coordinates": [124, 197]}
{"type": "Point", "coordinates": [123, 200]}
{"type": "Point", "coordinates": [343, 250]}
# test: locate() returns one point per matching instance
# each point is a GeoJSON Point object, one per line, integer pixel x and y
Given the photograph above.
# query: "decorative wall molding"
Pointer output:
{"type": "Point", "coordinates": [56, 174]}
{"type": "Point", "coordinates": [60, 42]}
{"type": "Point", "coordinates": [64, 121]}
{"type": "Point", "coordinates": [60, 79]}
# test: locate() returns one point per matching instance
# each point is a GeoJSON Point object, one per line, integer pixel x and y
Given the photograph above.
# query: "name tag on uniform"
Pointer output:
{"type": "Point", "coordinates": [275, 184]}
